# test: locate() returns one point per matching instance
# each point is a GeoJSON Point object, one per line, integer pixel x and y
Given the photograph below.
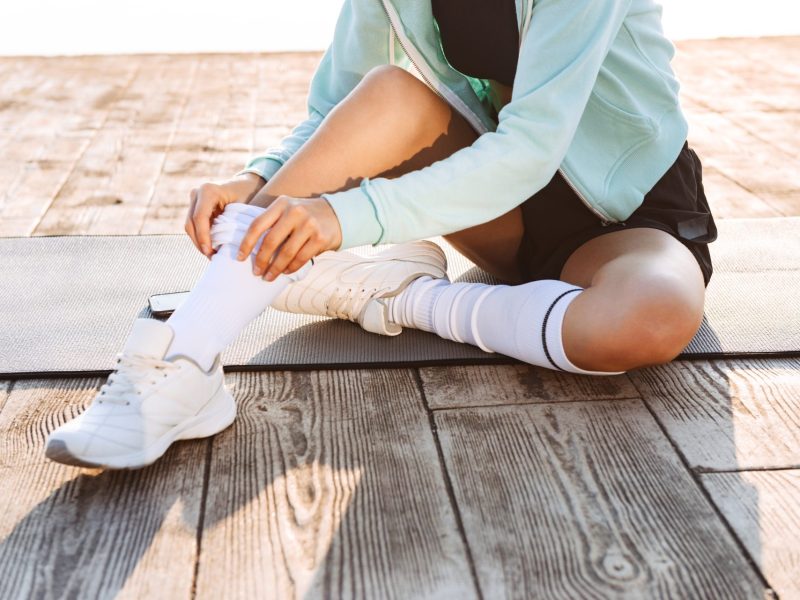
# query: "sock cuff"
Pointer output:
{"type": "Point", "coordinates": [552, 339]}
{"type": "Point", "coordinates": [551, 328]}
{"type": "Point", "coordinates": [232, 225]}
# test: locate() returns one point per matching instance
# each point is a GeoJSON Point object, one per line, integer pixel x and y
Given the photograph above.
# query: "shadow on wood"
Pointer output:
{"type": "Point", "coordinates": [328, 484]}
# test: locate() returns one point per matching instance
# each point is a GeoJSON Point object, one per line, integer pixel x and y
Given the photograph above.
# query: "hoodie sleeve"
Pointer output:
{"type": "Point", "coordinates": [360, 42]}
{"type": "Point", "coordinates": [560, 59]}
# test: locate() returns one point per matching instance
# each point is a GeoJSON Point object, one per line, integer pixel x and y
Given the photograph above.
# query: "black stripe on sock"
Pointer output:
{"type": "Point", "coordinates": [544, 327]}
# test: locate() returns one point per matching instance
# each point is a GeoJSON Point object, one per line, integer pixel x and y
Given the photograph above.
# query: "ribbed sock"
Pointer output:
{"type": "Point", "coordinates": [227, 297]}
{"type": "Point", "coordinates": [522, 321]}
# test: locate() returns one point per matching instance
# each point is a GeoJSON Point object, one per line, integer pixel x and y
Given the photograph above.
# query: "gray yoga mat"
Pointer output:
{"type": "Point", "coordinates": [67, 303]}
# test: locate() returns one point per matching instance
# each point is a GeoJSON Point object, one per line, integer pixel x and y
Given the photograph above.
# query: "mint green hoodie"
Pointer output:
{"type": "Point", "coordinates": [594, 97]}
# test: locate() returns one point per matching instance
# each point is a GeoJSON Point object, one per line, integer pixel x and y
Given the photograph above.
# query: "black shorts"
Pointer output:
{"type": "Point", "coordinates": [557, 222]}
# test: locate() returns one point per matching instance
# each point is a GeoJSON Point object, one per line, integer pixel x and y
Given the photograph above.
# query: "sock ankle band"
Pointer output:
{"type": "Point", "coordinates": [544, 326]}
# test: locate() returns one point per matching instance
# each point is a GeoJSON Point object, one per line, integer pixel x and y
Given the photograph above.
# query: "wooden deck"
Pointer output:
{"type": "Point", "coordinates": [681, 481]}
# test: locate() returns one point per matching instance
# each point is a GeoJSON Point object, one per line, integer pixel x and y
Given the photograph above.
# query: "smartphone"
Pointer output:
{"type": "Point", "coordinates": [163, 305]}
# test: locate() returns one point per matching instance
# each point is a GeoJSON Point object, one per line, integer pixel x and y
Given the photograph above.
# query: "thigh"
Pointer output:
{"type": "Point", "coordinates": [389, 125]}
{"type": "Point", "coordinates": [494, 246]}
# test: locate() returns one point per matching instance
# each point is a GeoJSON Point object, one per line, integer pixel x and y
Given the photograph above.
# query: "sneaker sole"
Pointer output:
{"type": "Point", "coordinates": [220, 414]}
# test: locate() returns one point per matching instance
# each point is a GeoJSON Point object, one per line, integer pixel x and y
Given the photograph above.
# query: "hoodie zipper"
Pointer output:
{"type": "Point", "coordinates": [427, 76]}
{"type": "Point", "coordinates": [603, 220]}
{"type": "Point", "coordinates": [453, 100]}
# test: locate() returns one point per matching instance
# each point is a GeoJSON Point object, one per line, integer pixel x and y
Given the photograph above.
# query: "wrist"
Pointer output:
{"type": "Point", "coordinates": [244, 187]}
{"type": "Point", "coordinates": [335, 227]}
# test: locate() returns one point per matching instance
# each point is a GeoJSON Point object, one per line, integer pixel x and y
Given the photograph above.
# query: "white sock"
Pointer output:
{"type": "Point", "coordinates": [522, 321]}
{"type": "Point", "coordinates": [228, 295]}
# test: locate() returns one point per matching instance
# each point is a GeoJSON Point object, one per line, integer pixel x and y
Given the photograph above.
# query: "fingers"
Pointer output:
{"type": "Point", "coordinates": [189, 225]}
{"type": "Point", "coordinates": [309, 250]}
{"type": "Point", "coordinates": [285, 239]}
{"type": "Point", "coordinates": [287, 253]}
{"type": "Point", "coordinates": [294, 231]}
{"type": "Point", "coordinates": [207, 205]}
{"type": "Point", "coordinates": [259, 225]}
{"type": "Point", "coordinates": [279, 235]}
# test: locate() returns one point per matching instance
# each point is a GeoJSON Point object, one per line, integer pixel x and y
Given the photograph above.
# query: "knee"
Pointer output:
{"type": "Point", "coordinates": [659, 317]}
{"type": "Point", "coordinates": [390, 88]}
{"type": "Point", "coordinates": [391, 81]}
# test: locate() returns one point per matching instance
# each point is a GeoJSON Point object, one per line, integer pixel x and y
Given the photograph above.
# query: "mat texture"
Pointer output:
{"type": "Point", "coordinates": [67, 303]}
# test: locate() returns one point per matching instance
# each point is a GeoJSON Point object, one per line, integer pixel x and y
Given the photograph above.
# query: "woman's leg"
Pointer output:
{"type": "Point", "coordinates": [392, 124]}
{"type": "Point", "coordinates": [645, 294]}
{"type": "Point", "coordinates": [628, 299]}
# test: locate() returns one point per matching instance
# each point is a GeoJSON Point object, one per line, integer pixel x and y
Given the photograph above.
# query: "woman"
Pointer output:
{"type": "Point", "coordinates": [543, 138]}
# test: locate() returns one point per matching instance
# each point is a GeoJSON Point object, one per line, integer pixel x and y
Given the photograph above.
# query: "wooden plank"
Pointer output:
{"type": "Point", "coordinates": [491, 385]}
{"type": "Point", "coordinates": [81, 533]}
{"type": "Point", "coordinates": [329, 485]}
{"type": "Point", "coordinates": [63, 94]}
{"type": "Point", "coordinates": [779, 129]}
{"type": "Point", "coordinates": [110, 188]}
{"type": "Point", "coordinates": [728, 75]}
{"type": "Point", "coordinates": [54, 118]}
{"type": "Point", "coordinates": [728, 414]}
{"type": "Point", "coordinates": [585, 500]}
{"type": "Point", "coordinates": [764, 510]}
{"type": "Point", "coordinates": [224, 92]}
{"type": "Point", "coordinates": [112, 185]}
{"type": "Point", "coordinates": [193, 158]}
{"type": "Point", "coordinates": [24, 200]}
{"type": "Point", "coordinates": [787, 203]}
{"type": "Point", "coordinates": [157, 96]}
{"type": "Point", "coordinates": [730, 149]}
{"type": "Point", "coordinates": [729, 199]}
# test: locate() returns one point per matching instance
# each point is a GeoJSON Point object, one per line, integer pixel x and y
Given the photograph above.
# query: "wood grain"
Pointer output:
{"type": "Point", "coordinates": [194, 157]}
{"type": "Point", "coordinates": [80, 533]}
{"type": "Point", "coordinates": [112, 184]}
{"type": "Point", "coordinates": [728, 414]}
{"type": "Point", "coordinates": [491, 385]}
{"type": "Point", "coordinates": [27, 196]}
{"type": "Point", "coordinates": [764, 510]}
{"type": "Point", "coordinates": [585, 500]}
{"type": "Point", "coordinates": [756, 165]}
{"type": "Point", "coordinates": [329, 485]}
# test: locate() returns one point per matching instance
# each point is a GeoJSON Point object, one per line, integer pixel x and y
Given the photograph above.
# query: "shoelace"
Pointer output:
{"type": "Point", "coordinates": [347, 303]}
{"type": "Point", "coordinates": [131, 374]}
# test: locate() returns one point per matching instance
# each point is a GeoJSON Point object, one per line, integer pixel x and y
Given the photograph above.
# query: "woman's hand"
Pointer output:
{"type": "Point", "coordinates": [210, 199]}
{"type": "Point", "coordinates": [299, 229]}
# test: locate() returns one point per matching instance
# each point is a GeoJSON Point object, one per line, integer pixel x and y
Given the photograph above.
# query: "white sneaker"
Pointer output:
{"type": "Point", "coordinates": [347, 286]}
{"type": "Point", "coordinates": [145, 405]}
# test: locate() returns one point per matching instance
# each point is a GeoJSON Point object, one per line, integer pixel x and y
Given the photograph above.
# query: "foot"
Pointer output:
{"type": "Point", "coordinates": [347, 286]}
{"type": "Point", "coordinates": [147, 403]}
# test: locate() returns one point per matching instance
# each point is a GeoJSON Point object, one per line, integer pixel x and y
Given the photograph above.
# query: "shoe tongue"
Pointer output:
{"type": "Point", "coordinates": [149, 338]}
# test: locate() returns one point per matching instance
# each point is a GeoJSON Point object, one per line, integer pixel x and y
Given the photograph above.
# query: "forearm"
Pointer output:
{"type": "Point", "coordinates": [245, 186]}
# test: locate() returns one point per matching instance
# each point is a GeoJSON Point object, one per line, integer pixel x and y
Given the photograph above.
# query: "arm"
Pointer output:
{"type": "Point", "coordinates": [559, 63]}
{"type": "Point", "coordinates": [360, 42]}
